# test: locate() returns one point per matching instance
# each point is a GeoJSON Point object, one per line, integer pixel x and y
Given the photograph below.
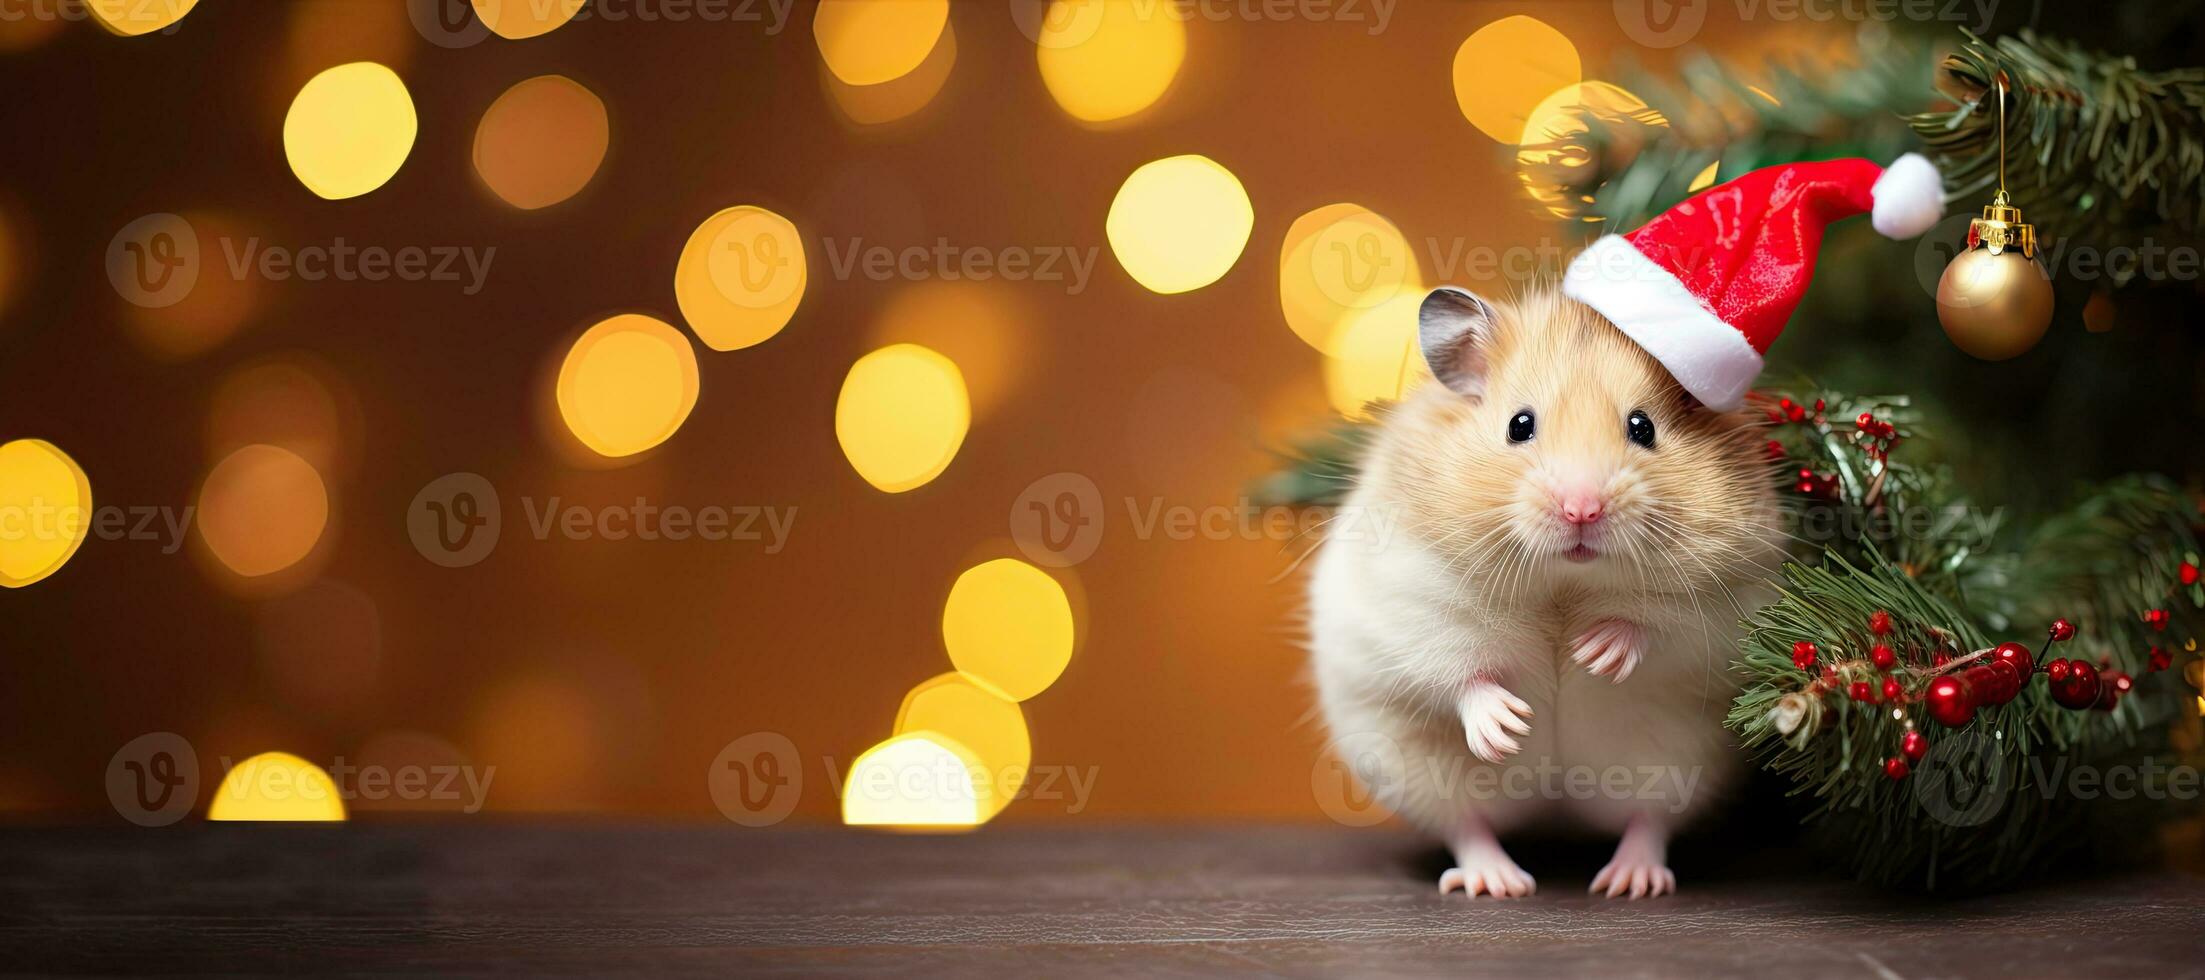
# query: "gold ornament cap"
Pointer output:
{"type": "Point", "coordinates": [2001, 228]}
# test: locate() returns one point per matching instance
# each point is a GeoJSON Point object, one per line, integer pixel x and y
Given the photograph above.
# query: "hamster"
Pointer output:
{"type": "Point", "coordinates": [1569, 545]}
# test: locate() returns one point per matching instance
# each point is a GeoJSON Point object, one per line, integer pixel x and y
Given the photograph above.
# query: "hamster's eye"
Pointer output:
{"type": "Point", "coordinates": [1519, 427]}
{"type": "Point", "coordinates": [1640, 429]}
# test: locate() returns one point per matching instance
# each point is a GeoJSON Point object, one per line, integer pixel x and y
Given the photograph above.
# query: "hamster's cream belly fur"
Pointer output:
{"type": "Point", "coordinates": [1390, 627]}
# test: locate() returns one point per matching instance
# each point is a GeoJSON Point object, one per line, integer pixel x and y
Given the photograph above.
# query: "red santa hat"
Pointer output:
{"type": "Point", "coordinates": [1706, 286]}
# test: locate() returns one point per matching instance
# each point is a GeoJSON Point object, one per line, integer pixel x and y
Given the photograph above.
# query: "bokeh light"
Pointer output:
{"type": "Point", "coordinates": [321, 647]}
{"type": "Point", "coordinates": [45, 510]}
{"type": "Point", "coordinates": [740, 277]}
{"type": "Point", "coordinates": [872, 105]}
{"type": "Point", "coordinates": [1376, 357]}
{"type": "Point", "coordinates": [902, 414]}
{"type": "Point", "coordinates": [552, 738]}
{"type": "Point", "coordinates": [212, 306]}
{"type": "Point", "coordinates": [320, 34]}
{"type": "Point", "coordinates": [291, 401]}
{"type": "Point", "coordinates": [921, 780]}
{"type": "Point", "coordinates": [989, 726]}
{"type": "Point", "coordinates": [1179, 223]}
{"type": "Point", "coordinates": [627, 384]}
{"type": "Point", "coordinates": [1104, 60]}
{"type": "Point", "coordinates": [262, 510]}
{"type": "Point", "coordinates": [868, 42]}
{"type": "Point", "coordinates": [520, 19]}
{"type": "Point", "coordinates": [979, 326]}
{"type": "Point", "coordinates": [277, 787]}
{"type": "Point", "coordinates": [541, 141]}
{"type": "Point", "coordinates": [1704, 179]}
{"type": "Point", "coordinates": [1553, 131]}
{"type": "Point", "coordinates": [1503, 70]}
{"type": "Point", "coordinates": [131, 18]}
{"type": "Point", "coordinates": [1008, 626]}
{"type": "Point", "coordinates": [349, 129]}
{"type": "Point", "coordinates": [22, 33]}
{"type": "Point", "coordinates": [1338, 260]}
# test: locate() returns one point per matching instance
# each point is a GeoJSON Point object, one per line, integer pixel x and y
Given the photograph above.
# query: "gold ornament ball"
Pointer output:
{"type": "Point", "coordinates": [1994, 306]}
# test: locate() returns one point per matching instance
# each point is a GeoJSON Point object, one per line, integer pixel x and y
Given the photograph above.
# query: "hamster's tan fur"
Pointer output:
{"type": "Point", "coordinates": [1472, 655]}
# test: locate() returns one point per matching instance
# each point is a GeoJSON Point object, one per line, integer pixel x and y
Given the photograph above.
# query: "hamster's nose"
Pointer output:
{"type": "Point", "coordinates": [1581, 506]}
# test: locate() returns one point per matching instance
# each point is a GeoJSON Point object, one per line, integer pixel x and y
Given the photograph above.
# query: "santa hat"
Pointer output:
{"type": "Point", "coordinates": [1706, 286]}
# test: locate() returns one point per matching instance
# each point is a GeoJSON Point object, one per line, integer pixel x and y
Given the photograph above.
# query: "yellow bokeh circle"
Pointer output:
{"type": "Point", "coordinates": [740, 277]}
{"type": "Point", "coordinates": [902, 414]}
{"type": "Point", "coordinates": [45, 510]}
{"type": "Point", "coordinates": [541, 141]}
{"type": "Point", "coordinates": [520, 19]}
{"type": "Point", "coordinates": [277, 787]}
{"type": "Point", "coordinates": [1008, 626]}
{"type": "Point", "coordinates": [1104, 60]}
{"type": "Point", "coordinates": [1503, 71]}
{"type": "Point", "coordinates": [921, 780]}
{"type": "Point", "coordinates": [1179, 223]}
{"type": "Point", "coordinates": [131, 18]}
{"type": "Point", "coordinates": [1375, 357]}
{"type": "Point", "coordinates": [868, 42]}
{"type": "Point", "coordinates": [988, 725]}
{"type": "Point", "coordinates": [872, 105]}
{"type": "Point", "coordinates": [262, 509]}
{"type": "Point", "coordinates": [627, 384]}
{"type": "Point", "coordinates": [1338, 260]}
{"type": "Point", "coordinates": [349, 130]}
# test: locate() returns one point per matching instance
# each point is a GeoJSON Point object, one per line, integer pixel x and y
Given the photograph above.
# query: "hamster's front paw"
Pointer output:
{"type": "Point", "coordinates": [1610, 649]}
{"type": "Point", "coordinates": [1489, 716]}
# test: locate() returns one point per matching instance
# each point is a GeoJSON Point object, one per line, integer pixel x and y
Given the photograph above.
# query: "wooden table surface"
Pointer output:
{"type": "Point", "coordinates": [587, 898]}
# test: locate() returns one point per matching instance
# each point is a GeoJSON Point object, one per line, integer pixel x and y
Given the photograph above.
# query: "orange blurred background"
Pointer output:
{"type": "Point", "coordinates": [606, 676]}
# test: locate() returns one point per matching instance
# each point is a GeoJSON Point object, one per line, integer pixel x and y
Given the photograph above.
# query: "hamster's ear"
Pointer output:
{"type": "Point", "coordinates": [1455, 328]}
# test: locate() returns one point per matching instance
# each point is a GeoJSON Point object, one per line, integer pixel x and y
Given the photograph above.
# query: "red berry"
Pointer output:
{"type": "Point", "coordinates": [1914, 745]}
{"type": "Point", "coordinates": [1895, 768]}
{"type": "Point", "coordinates": [1995, 682]}
{"type": "Point", "coordinates": [2056, 671]}
{"type": "Point", "coordinates": [1866, 422]}
{"type": "Point", "coordinates": [1891, 690]}
{"type": "Point", "coordinates": [1776, 449]}
{"type": "Point", "coordinates": [2080, 688]}
{"type": "Point", "coordinates": [1803, 654]}
{"type": "Point", "coordinates": [2161, 659]}
{"type": "Point", "coordinates": [1882, 656]}
{"type": "Point", "coordinates": [1862, 692]}
{"type": "Point", "coordinates": [2062, 631]}
{"type": "Point", "coordinates": [1950, 702]}
{"type": "Point", "coordinates": [2016, 656]}
{"type": "Point", "coordinates": [1818, 406]}
{"type": "Point", "coordinates": [2156, 619]}
{"type": "Point", "coordinates": [2114, 685]}
{"type": "Point", "coordinates": [1879, 622]}
{"type": "Point", "coordinates": [2188, 572]}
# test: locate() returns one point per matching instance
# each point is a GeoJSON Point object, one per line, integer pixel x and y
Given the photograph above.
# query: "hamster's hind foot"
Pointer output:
{"type": "Point", "coordinates": [1611, 649]}
{"type": "Point", "coordinates": [1483, 867]}
{"type": "Point", "coordinates": [1640, 868]}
